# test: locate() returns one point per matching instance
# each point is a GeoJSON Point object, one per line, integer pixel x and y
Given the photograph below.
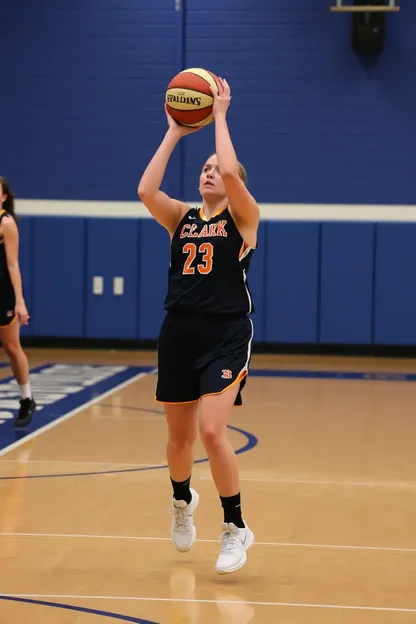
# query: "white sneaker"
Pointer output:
{"type": "Point", "coordinates": [234, 544]}
{"type": "Point", "coordinates": [183, 530]}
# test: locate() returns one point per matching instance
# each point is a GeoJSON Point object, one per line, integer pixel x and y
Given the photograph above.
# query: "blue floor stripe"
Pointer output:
{"type": "Point", "coordinates": [67, 607]}
{"type": "Point", "coordinates": [313, 374]}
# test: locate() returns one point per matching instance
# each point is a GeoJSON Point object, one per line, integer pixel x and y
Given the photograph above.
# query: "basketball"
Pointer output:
{"type": "Point", "coordinates": [189, 99]}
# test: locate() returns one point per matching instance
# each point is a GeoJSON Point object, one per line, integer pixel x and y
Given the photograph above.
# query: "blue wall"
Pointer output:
{"type": "Point", "coordinates": [82, 114]}
{"type": "Point", "coordinates": [312, 283]}
{"type": "Point", "coordinates": [85, 82]}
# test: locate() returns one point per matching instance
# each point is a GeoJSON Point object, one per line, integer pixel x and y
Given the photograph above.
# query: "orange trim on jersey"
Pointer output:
{"type": "Point", "coordinates": [9, 324]}
{"type": "Point", "coordinates": [240, 377]}
{"type": "Point", "coordinates": [204, 218]}
{"type": "Point", "coordinates": [244, 247]}
{"type": "Point", "coordinates": [176, 402]}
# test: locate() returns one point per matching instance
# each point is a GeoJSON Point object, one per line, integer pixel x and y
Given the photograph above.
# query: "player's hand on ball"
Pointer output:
{"type": "Point", "coordinates": [177, 128]}
{"type": "Point", "coordinates": [222, 98]}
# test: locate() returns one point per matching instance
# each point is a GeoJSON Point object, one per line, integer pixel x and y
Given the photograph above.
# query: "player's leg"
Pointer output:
{"type": "Point", "coordinates": [10, 339]}
{"type": "Point", "coordinates": [182, 430]}
{"type": "Point", "coordinates": [177, 389]}
{"type": "Point", "coordinates": [213, 419]}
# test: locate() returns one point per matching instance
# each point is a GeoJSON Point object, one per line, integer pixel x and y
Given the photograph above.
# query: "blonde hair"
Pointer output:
{"type": "Point", "coordinates": [241, 170]}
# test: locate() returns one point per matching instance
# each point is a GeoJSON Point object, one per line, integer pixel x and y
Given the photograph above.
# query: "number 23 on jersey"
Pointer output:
{"type": "Point", "coordinates": [205, 266]}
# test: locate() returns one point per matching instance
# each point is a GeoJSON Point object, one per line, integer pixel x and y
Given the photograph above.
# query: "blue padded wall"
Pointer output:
{"type": "Point", "coordinates": [395, 292]}
{"type": "Point", "coordinates": [112, 251]}
{"type": "Point", "coordinates": [154, 267]}
{"type": "Point", "coordinates": [291, 282]}
{"type": "Point", "coordinates": [346, 283]}
{"type": "Point", "coordinates": [59, 275]}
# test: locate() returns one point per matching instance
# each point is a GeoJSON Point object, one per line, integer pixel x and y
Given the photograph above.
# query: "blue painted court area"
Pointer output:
{"type": "Point", "coordinates": [66, 607]}
{"type": "Point", "coordinates": [61, 390]}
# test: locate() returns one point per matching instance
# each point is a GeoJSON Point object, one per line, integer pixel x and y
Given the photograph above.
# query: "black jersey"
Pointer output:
{"type": "Point", "coordinates": [208, 266]}
{"type": "Point", "coordinates": [7, 298]}
{"type": "Point", "coordinates": [4, 271]}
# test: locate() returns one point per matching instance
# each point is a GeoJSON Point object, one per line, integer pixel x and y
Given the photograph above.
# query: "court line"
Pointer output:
{"type": "Point", "coordinates": [56, 605]}
{"type": "Point", "coordinates": [69, 415]}
{"type": "Point", "coordinates": [407, 485]}
{"type": "Point", "coordinates": [202, 601]}
{"type": "Point", "coordinates": [209, 541]}
{"type": "Point", "coordinates": [76, 463]}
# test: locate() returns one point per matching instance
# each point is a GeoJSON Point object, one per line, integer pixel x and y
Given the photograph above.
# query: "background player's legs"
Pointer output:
{"type": "Point", "coordinates": [182, 431]}
{"type": "Point", "coordinates": [10, 339]}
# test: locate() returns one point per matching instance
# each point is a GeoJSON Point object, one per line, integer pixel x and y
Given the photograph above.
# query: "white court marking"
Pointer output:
{"type": "Point", "coordinates": [406, 485]}
{"type": "Point", "coordinates": [202, 601]}
{"type": "Point", "coordinates": [208, 541]}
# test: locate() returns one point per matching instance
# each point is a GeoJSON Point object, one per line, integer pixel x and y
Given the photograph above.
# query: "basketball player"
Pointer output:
{"type": "Point", "coordinates": [205, 340]}
{"type": "Point", "coordinates": [13, 312]}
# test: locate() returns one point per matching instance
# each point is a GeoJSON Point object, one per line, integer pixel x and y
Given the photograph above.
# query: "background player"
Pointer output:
{"type": "Point", "coordinates": [205, 340]}
{"type": "Point", "coordinates": [13, 312]}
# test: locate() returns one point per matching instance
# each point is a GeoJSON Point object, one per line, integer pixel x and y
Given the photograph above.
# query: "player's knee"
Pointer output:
{"type": "Point", "coordinates": [212, 435]}
{"type": "Point", "coordinates": [181, 442]}
{"type": "Point", "coordinates": [12, 348]}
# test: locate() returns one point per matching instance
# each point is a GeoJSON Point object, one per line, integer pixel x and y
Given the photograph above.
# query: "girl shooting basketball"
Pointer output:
{"type": "Point", "coordinates": [13, 312]}
{"type": "Point", "coordinates": [205, 340]}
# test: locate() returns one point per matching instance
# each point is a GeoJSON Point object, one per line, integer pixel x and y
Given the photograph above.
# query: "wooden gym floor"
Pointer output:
{"type": "Point", "coordinates": [328, 468]}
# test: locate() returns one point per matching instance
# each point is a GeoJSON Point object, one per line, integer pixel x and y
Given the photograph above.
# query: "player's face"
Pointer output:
{"type": "Point", "coordinates": [3, 197]}
{"type": "Point", "coordinates": [210, 181]}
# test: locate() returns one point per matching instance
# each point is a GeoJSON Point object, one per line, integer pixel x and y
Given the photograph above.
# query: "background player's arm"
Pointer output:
{"type": "Point", "coordinates": [168, 212]}
{"type": "Point", "coordinates": [10, 235]}
{"type": "Point", "coordinates": [244, 208]}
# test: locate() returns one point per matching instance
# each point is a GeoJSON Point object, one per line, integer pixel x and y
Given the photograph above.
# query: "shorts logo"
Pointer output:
{"type": "Point", "coordinates": [227, 374]}
{"type": "Point", "coordinates": [9, 313]}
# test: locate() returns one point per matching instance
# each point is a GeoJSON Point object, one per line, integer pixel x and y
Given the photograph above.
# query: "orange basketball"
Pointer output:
{"type": "Point", "coordinates": [189, 98]}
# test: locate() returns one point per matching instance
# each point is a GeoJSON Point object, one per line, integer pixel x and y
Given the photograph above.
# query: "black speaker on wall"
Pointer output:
{"type": "Point", "coordinates": [368, 28]}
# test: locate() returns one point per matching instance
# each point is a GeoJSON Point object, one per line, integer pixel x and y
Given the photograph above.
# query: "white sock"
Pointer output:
{"type": "Point", "coordinates": [25, 390]}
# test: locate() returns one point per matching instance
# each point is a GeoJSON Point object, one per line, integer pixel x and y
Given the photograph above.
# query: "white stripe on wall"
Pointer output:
{"type": "Point", "coordinates": [269, 212]}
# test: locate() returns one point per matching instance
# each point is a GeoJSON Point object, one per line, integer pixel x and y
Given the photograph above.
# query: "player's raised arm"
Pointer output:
{"type": "Point", "coordinates": [167, 211]}
{"type": "Point", "coordinates": [243, 206]}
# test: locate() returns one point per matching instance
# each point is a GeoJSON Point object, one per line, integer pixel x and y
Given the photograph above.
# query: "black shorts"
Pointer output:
{"type": "Point", "coordinates": [7, 303]}
{"type": "Point", "coordinates": [202, 355]}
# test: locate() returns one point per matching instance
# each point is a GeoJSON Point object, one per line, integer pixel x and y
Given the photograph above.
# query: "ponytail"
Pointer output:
{"type": "Point", "coordinates": [8, 205]}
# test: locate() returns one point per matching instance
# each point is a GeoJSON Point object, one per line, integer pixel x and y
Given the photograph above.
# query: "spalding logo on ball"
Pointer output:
{"type": "Point", "coordinates": [189, 98]}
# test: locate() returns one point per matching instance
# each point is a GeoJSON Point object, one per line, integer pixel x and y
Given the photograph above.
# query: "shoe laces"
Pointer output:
{"type": "Point", "coordinates": [181, 518]}
{"type": "Point", "coordinates": [229, 541]}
